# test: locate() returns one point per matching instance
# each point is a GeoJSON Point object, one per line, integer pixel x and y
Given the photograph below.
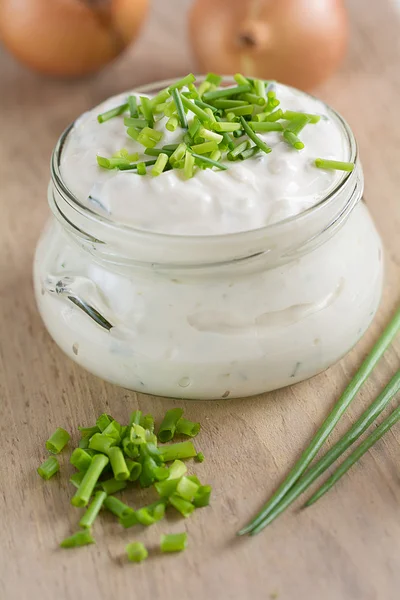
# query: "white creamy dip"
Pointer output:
{"type": "Point", "coordinates": [200, 315]}
{"type": "Point", "coordinates": [250, 194]}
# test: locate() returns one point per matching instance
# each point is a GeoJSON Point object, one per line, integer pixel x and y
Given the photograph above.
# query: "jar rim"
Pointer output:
{"type": "Point", "coordinates": [87, 212]}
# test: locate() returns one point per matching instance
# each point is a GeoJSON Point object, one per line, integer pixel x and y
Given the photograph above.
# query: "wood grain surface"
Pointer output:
{"type": "Point", "coordinates": [346, 547]}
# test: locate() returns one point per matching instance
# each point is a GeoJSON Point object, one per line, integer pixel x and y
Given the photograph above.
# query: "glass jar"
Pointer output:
{"type": "Point", "coordinates": [209, 317]}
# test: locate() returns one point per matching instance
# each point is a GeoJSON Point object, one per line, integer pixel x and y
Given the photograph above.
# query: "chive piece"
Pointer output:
{"type": "Point", "coordinates": [147, 515]}
{"type": "Point", "coordinates": [202, 496]}
{"type": "Point", "coordinates": [153, 134]}
{"type": "Point", "coordinates": [186, 489]}
{"type": "Point", "coordinates": [196, 110]}
{"type": "Point", "coordinates": [147, 421]}
{"type": "Point", "coordinates": [178, 451]}
{"type": "Point", "coordinates": [81, 538]}
{"type": "Point", "coordinates": [193, 91]}
{"type": "Point", "coordinates": [249, 152]}
{"type": "Point", "coordinates": [160, 164]}
{"type": "Point", "coordinates": [80, 459]}
{"type": "Point", "coordinates": [238, 150]}
{"type": "Point", "coordinates": [168, 425]}
{"type": "Point", "coordinates": [199, 457]}
{"type": "Point", "coordinates": [330, 422]}
{"type": "Point", "coordinates": [205, 147]}
{"type": "Point", "coordinates": [203, 160]}
{"type": "Point", "coordinates": [129, 520]}
{"type": "Point", "coordinates": [48, 468]}
{"type": "Point", "coordinates": [254, 137]}
{"type": "Point", "coordinates": [355, 431]}
{"type": "Point", "coordinates": [103, 421]}
{"type": "Point", "coordinates": [157, 151]}
{"type": "Point", "coordinates": [147, 110]}
{"type": "Point", "coordinates": [183, 506]}
{"type": "Point", "coordinates": [259, 87]}
{"type": "Point", "coordinates": [58, 440]}
{"type": "Point", "coordinates": [76, 478]}
{"type": "Point", "coordinates": [357, 454]}
{"type": "Point", "coordinates": [216, 155]}
{"type": "Point", "coordinates": [177, 469]}
{"type": "Point", "coordinates": [111, 486]}
{"type": "Point", "coordinates": [113, 431]}
{"type": "Point", "coordinates": [254, 99]}
{"type": "Point", "coordinates": [173, 542]}
{"type": "Point", "coordinates": [160, 98]}
{"type": "Point", "coordinates": [133, 133]}
{"type": "Point", "coordinates": [227, 92]}
{"type": "Point", "coordinates": [240, 79]}
{"type": "Point", "coordinates": [88, 431]}
{"type": "Point", "coordinates": [274, 116]}
{"type": "Point", "coordinates": [265, 126]}
{"type": "Point", "coordinates": [135, 469]}
{"type": "Point", "coordinates": [113, 112]}
{"type": "Point", "coordinates": [118, 464]}
{"type": "Point", "coordinates": [188, 168]}
{"type": "Point", "coordinates": [136, 552]}
{"type": "Point", "coordinates": [194, 127]}
{"type": "Point", "coordinates": [141, 168]}
{"type": "Point", "coordinates": [182, 82]}
{"type": "Point", "coordinates": [204, 87]}
{"type": "Point", "coordinates": [172, 123]}
{"type": "Point", "coordinates": [238, 133]}
{"type": "Point", "coordinates": [117, 507]}
{"type": "Point", "coordinates": [323, 163]}
{"type": "Point", "coordinates": [228, 103]}
{"type": "Point", "coordinates": [213, 78]}
{"type": "Point", "coordinates": [93, 510]}
{"type": "Point", "coordinates": [290, 114]}
{"type": "Point", "coordinates": [220, 126]}
{"type": "Point", "coordinates": [297, 125]}
{"type": "Point", "coordinates": [178, 154]}
{"type": "Point", "coordinates": [101, 443]}
{"type": "Point", "coordinates": [132, 105]}
{"type": "Point", "coordinates": [293, 140]}
{"type": "Point", "coordinates": [85, 490]}
{"type": "Point", "coordinates": [133, 122]}
{"type": "Point", "coordinates": [135, 417]}
{"type": "Point", "coordinates": [205, 105]}
{"type": "Point", "coordinates": [167, 487]}
{"type": "Point", "coordinates": [146, 163]}
{"type": "Point", "coordinates": [244, 109]}
{"type": "Point", "coordinates": [177, 98]}
{"type": "Point", "coordinates": [170, 109]}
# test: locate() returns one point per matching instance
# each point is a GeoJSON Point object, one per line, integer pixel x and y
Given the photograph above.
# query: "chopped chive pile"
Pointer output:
{"type": "Point", "coordinates": [114, 457]}
{"type": "Point", "coordinates": [209, 119]}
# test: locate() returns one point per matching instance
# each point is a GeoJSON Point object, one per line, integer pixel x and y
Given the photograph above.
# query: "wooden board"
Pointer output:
{"type": "Point", "coordinates": [347, 546]}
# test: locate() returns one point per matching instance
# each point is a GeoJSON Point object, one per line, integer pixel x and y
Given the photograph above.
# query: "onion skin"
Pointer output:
{"type": "Point", "coordinates": [297, 42]}
{"type": "Point", "coordinates": [69, 37]}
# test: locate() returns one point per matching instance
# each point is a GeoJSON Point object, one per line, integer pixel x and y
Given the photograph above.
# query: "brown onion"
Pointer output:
{"type": "Point", "coordinates": [69, 37]}
{"type": "Point", "coordinates": [297, 42]}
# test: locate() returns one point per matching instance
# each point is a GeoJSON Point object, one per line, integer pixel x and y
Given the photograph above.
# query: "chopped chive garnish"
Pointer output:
{"type": "Point", "coordinates": [213, 78]}
{"type": "Point", "coordinates": [194, 127]}
{"type": "Point", "coordinates": [254, 99]}
{"type": "Point", "coordinates": [203, 160]}
{"type": "Point", "coordinates": [170, 109]}
{"type": "Point", "coordinates": [193, 91]}
{"type": "Point", "coordinates": [173, 542]}
{"type": "Point", "coordinates": [244, 109]}
{"type": "Point", "coordinates": [265, 126]}
{"type": "Point", "coordinates": [186, 488]}
{"type": "Point", "coordinates": [199, 457]}
{"type": "Point", "coordinates": [113, 430]}
{"type": "Point", "coordinates": [222, 126]}
{"type": "Point", "coordinates": [274, 116]}
{"type": "Point", "coordinates": [132, 105]}
{"type": "Point", "coordinates": [177, 98]}
{"type": "Point", "coordinates": [48, 468]}
{"type": "Point", "coordinates": [240, 79]}
{"type": "Point", "coordinates": [133, 133]}
{"type": "Point", "coordinates": [188, 168]}
{"type": "Point", "coordinates": [81, 538]}
{"type": "Point", "coordinates": [202, 496]}
{"type": "Point", "coordinates": [160, 98]}
{"type": "Point", "coordinates": [238, 150]}
{"type": "Point", "coordinates": [135, 469]}
{"type": "Point", "coordinates": [146, 163]}
{"type": "Point", "coordinates": [157, 151]}
{"type": "Point", "coordinates": [85, 490]}
{"type": "Point", "coordinates": [101, 443]}
{"type": "Point", "coordinates": [216, 155]}
{"type": "Point", "coordinates": [259, 87]}
{"type": "Point", "coordinates": [118, 464]}
{"type": "Point", "coordinates": [147, 109]}
{"type": "Point", "coordinates": [134, 122]}
{"type": "Point", "coordinates": [227, 92]}
{"type": "Point", "coordinates": [172, 123]}
{"type": "Point", "coordinates": [290, 114]}
{"type": "Point", "coordinates": [135, 417]}
{"type": "Point", "coordinates": [117, 507]}
{"type": "Point", "coordinates": [170, 147]}
{"type": "Point", "coordinates": [297, 125]}
{"type": "Point", "coordinates": [177, 469]}
{"type": "Point", "coordinates": [228, 103]}
{"type": "Point", "coordinates": [93, 510]}
{"type": "Point", "coordinates": [182, 82]}
{"type": "Point", "coordinates": [167, 487]}
{"type": "Point", "coordinates": [205, 147]}
{"type": "Point", "coordinates": [178, 154]}
{"type": "Point", "coordinates": [196, 110]}
{"type": "Point", "coordinates": [293, 140]}
{"type": "Point", "coordinates": [168, 425]}
{"type": "Point", "coordinates": [136, 552]}
{"type": "Point", "coordinates": [337, 165]}
{"type": "Point", "coordinates": [254, 137]}
{"type": "Point", "coordinates": [180, 450]}
{"type": "Point", "coordinates": [183, 506]}
{"type": "Point", "coordinates": [58, 441]}
{"type": "Point", "coordinates": [249, 152]}
{"type": "Point", "coordinates": [160, 164]}
{"type": "Point", "coordinates": [113, 112]}
{"type": "Point", "coordinates": [238, 133]}
{"type": "Point", "coordinates": [204, 87]}
{"type": "Point", "coordinates": [76, 478]}
{"type": "Point", "coordinates": [205, 105]}
{"type": "Point", "coordinates": [112, 486]}
{"type": "Point", "coordinates": [80, 459]}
